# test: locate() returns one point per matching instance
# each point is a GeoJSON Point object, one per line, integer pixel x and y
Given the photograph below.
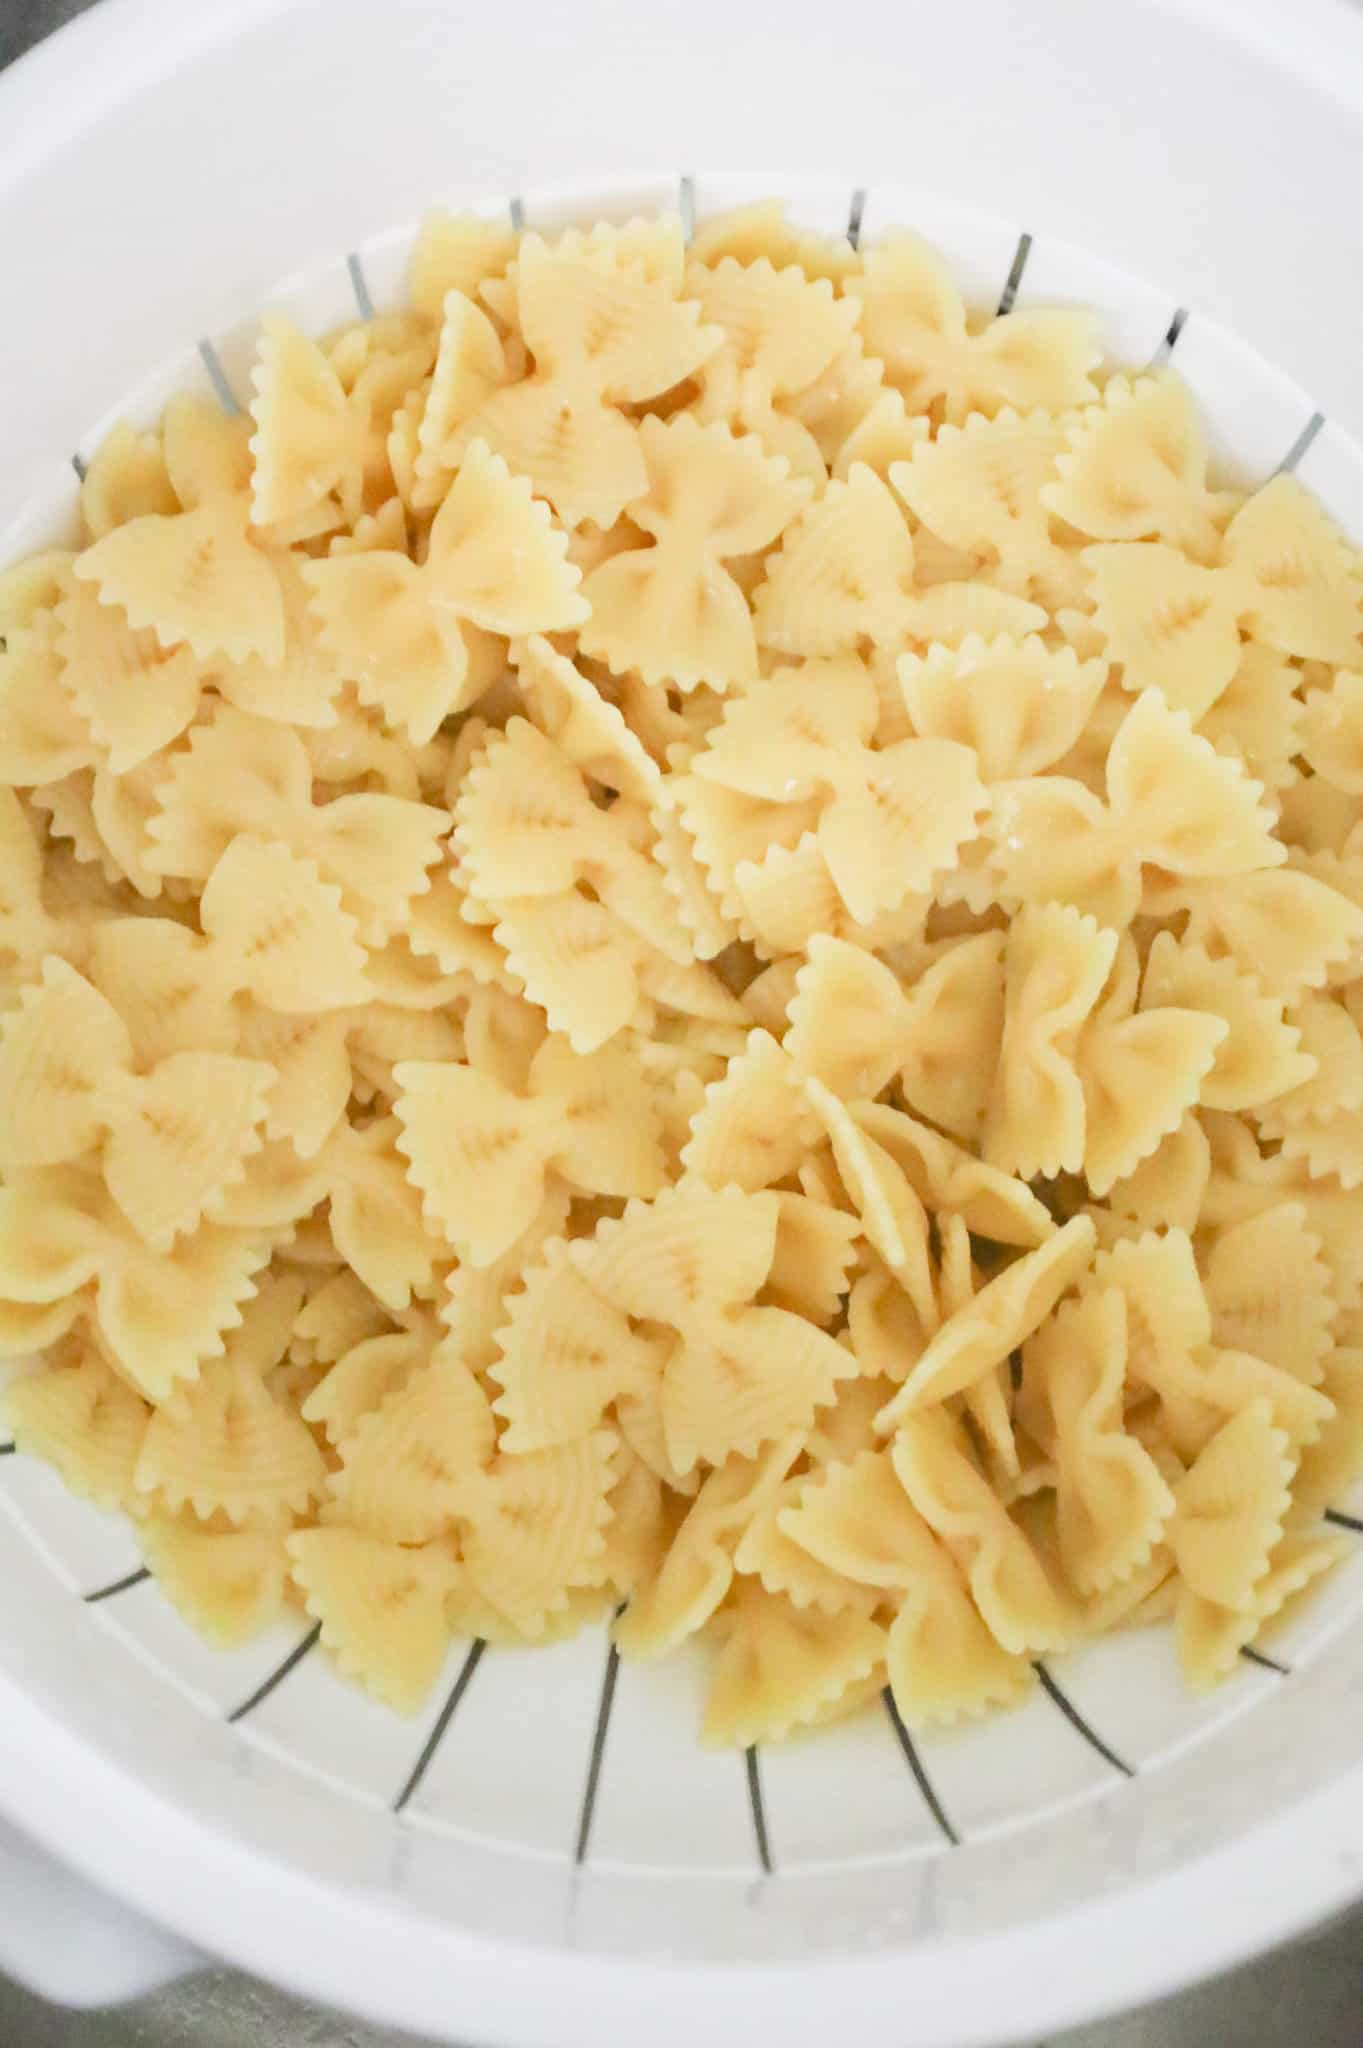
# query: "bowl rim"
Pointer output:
{"type": "Point", "coordinates": [1265, 1887]}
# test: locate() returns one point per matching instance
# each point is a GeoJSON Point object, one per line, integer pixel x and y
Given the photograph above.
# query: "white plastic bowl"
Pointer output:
{"type": "Point", "coordinates": [570, 1867]}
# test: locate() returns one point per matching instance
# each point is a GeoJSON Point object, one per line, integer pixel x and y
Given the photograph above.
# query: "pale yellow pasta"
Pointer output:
{"type": "Point", "coordinates": [916, 323]}
{"type": "Point", "coordinates": [603, 332]}
{"type": "Point", "coordinates": [978, 488]}
{"type": "Point", "coordinates": [1111, 1502]}
{"type": "Point", "coordinates": [78, 1415]}
{"type": "Point", "coordinates": [694, 1576]}
{"type": "Point", "coordinates": [671, 613]}
{"type": "Point", "coordinates": [1026, 1612]}
{"type": "Point", "coordinates": [887, 819]}
{"type": "Point", "coordinates": [532, 1527]}
{"type": "Point", "coordinates": [397, 626]}
{"type": "Point", "coordinates": [228, 1584]}
{"type": "Point", "coordinates": [686, 928]}
{"type": "Point", "coordinates": [781, 1665]}
{"type": "Point", "coordinates": [482, 1155]}
{"type": "Point", "coordinates": [1018, 703]}
{"type": "Point", "coordinates": [403, 1468]}
{"type": "Point", "coordinates": [1135, 468]}
{"type": "Point", "coordinates": [982, 1334]}
{"type": "Point", "coordinates": [382, 1608]}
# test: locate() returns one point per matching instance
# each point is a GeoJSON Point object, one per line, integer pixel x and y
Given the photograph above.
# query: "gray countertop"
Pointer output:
{"type": "Point", "coordinates": [1308, 1996]}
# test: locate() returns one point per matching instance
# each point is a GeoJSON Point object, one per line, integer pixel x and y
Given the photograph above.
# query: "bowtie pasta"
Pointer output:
{"type": "Point", "coordinates": [685, 935]}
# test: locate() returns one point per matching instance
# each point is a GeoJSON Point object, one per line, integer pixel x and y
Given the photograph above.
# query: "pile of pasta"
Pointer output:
{"type": "Point", "coordinates": [683, 935]}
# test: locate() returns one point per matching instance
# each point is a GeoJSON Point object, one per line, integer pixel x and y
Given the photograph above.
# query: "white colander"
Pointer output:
{"type": "Point", "coordinates": [546, 1855]}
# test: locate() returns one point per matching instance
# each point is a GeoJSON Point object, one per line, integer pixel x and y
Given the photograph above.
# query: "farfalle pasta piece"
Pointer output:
{"type": "Point", "coordinates": [1332, 732]}
{"type": "Point", "coordinates": [377, 1216]}
{"type": "Point", "coordinates": [305, 687]}
{"type": "Point", "coordinates": [1331, 1465]}
{"type": "Point", "coordinates": [888, 819]}
{"type": "Point", "coordinates": [989, 1328]}
{"type": "Point", "coordinates": [816, 1245]}
{"type": "Point", "coordinates": [1112, 1503]}
{"type": "Point", "coordinates": [577, 960]}
{"type": "Point", "coordinates": [885, 1332]}
{"type": "Point", "coordinates": [359, 1380]}
{"type": "Point", "coordinates": [782, 1666]}
{"type": "Point", "coordinates": [1135, 468]}
{"type": "Point", "coordinates": [1173, 802]}
{"type": "Point", "coordinates": [1021, 705]}
{"type": "Point", "coordinates": [532, 1527]}
{"type": "Point", "coordinates": [1024, 1610]}
{"type": "Point", "coordinates": [586, 726]}
{"type": "Point", "coordinates": [246, 775]}
{"type": "Point", "coordinates": [1210, 1637]}
{"type": "Point", "coordinates": [1333, 1089]}
{"type": "Point", "coordinates": [754, 1126]}
{"type": "Point", "coordinates": [710, 931]}
{"type": "Point", "coordinates": [124, 478]}
{"type": "Point", "coordinates": [1261, 1055]}
{"type": "Point", "coordinates": [893, 1217]}
{"type": "Point", "coordinates": [43, 736]}
{"type": "Point", "coordinates": [782, 330]}
{"type": "Point", "coordinates": [787, 899]}
{"type": "Point", "coordinates": [80, 1417]}
{"type": "Point", "coordinates": [1056, 963]}
{"type": "Point", "coordinates": [131, 694]}
{"type": "Point", "coordinates": [564, 1355]}
{"type": "Point", "coordinates": [171, 1140]}
{"type": "Point", "coordinates": [944, 1665]}
{"type": "Point", "coordinates": [482, 1155]}
{"type": "Point", "coordinates": [849, 1019]}
{"type": "Point", "coordinates": [1285, 577]}
{"type": "Point", "coordinates": [404, 1466]}
{"type": "Point", "coordinates": [29, 929]}
{"type": "Point", "coordinates": [978, 488]}
{"type": "Point", "coordinates": [381, 1607]}
{"type": "Point", "coordinates": [767, 1554]}
{"type": "Point", "coordinates": [1286, 927]}
{"type": "Point", "coordinates": [735, 1376]}
{"type": "Point", "coordinates": [228, 1446]}
{"type": "Point", "coordinates": [697, 1570]}
{"type": "Point", "coordinates": [671, 612]}
{"type": "Point", "coordinates": [192, 577]}
{"type": "Point", "coordinates": [1258, 717]}
{"type": "Point", "coordinates": [990, 1203]}
{"type": "Point", "coordinates": [1269, 1291]}
{"type": "Point", "coordinates": [1166, 1190]}
{"type": "Point", "coordinates": [1140, 1073]}
{"type": "Point", "coordinates": [1230, 1509]}
{"type": "Point", "coordinates": [760, 230]}
{"type": "Point", "coordinates": [1329, 1149]}
{"type": "Point", "coordinates": [1167, 1314]}
{"type": "Point", "coordinates": [603, 333]}
{"type": "Point", "coordinates": [207, 451]}
{"type": "Point", "coordinates": [914, 321]}
{"type": "Point", "coordinates": [494, 561]}
{"type": "Point", "coordinates": [843, 574]}
{"type": "Point", "coordinates": [308, 449]}
{"type": "Point", "coordinates": [456, 252]}
{"type": "Point", "coordinates": [277, 930]}
{"type": "Point", "coordinates": [228, 1584]}
{"type": "Point", "coordinates": [338, 1314]}
{"type": "Point", "coordinates": [526, 826]}
{"type": "Point", "coordinates": [470, 365]}
{"type": "Point", "coordinates": [1314, 818]}
{"type": "Point", "coordinates": [886, 434]}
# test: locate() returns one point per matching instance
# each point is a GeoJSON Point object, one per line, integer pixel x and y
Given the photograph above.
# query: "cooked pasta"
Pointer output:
{"type": "Point", "coordinates": [685, 932]}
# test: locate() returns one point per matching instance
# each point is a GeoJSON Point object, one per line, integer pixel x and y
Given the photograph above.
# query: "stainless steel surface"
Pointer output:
{"type": "Point", "coordinates": [1308, 1996]}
